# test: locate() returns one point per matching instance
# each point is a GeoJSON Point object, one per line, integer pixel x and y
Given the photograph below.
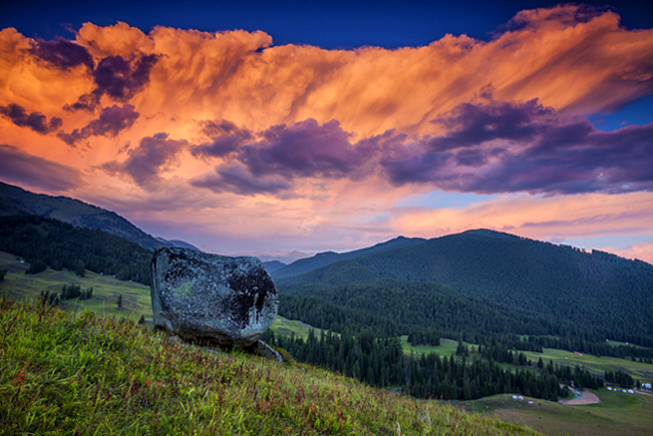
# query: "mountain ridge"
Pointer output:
{"type": "Point", "coordinates": [15, 200]}
{"type": "Point", "coordinates": [326, 258]}
{"type": "Point", "coordinates": [610, 295]}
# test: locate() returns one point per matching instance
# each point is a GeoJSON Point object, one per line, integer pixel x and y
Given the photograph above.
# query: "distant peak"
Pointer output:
{"type": "Point", "coordinates": [326, 254]}
{"type": "Point", "coordinates": [488, 232]}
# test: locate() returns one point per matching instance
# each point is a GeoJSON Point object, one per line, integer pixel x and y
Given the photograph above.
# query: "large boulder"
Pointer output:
{"type": "Point", "coordinates": [200, 296]}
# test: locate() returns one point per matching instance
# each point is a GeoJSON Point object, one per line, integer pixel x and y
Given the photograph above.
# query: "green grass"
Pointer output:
{"type": "Point", "coordinates": [66, 373]}
{"type": "Point", "coordinates": [618, 413]}
{"type": "Point", "coordinates": [446, 348]}
{"type": "Point", "coordinates": [639, 371]}
{"type": "Point", "coordinates": [27, 287]}
{"type": "Point", "coordinates": [283, 326]}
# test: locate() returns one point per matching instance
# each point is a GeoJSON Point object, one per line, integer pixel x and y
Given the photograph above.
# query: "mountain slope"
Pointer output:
{"type": "Point", "coordinates": [49, 242]}
{"type": "Point", "coordinates": [320, 260]}
{"type": "Point", "coordinates": [273, 265]}
{"type": "Point", "coordinates": [17, 201]}
{"type": "Point", "coordinates": [597, 290]}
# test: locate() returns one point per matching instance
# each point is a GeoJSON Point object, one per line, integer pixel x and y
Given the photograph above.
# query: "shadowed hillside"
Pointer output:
{"type": "Point", "coordinates": [17, 201]}
{"type": "Point", "coordinates": [605, 296]}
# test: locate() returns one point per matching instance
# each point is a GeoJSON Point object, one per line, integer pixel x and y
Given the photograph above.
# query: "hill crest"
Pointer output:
{"type": "Point", "coordinates": [18, 201]}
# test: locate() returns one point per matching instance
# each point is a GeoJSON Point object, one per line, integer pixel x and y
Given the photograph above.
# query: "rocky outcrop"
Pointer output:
{"type": "Point", "coordinates": [231, 301]}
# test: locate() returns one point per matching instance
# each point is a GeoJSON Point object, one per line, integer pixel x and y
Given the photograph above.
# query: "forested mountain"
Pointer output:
{"type": "Point", "coordinates": [17, 201]}
{"type": "Point", "coordinates": [320, 260]}
{"type": "Point", "coordinates": [596, 295]}
{"type": "Point", "coordinates": [47, 242]}
{"type": "Point", "coordinates": [273, 265]}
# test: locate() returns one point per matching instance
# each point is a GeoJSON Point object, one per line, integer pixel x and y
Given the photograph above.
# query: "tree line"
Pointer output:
{"type": "Point", "coordinates": [380, 361]}
{"type": "Point", "coordinates": [47, 242]}
{"type": "Point", "coordinates": [393, 309]}
{"type": "Point", "coordinates": [68, 292]}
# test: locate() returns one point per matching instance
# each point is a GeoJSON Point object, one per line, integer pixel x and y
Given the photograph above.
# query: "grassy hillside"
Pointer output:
{"type": "Point", "coordinates": [638, 370]}
{"type": "Point", "coordinates": [106, 289]}
{"type": "Point", "coordinates": [62, 373]}
{"type": "Point", "coordinates": [136, 302]}
{"type": "Point", "coordinates": [616, 414]}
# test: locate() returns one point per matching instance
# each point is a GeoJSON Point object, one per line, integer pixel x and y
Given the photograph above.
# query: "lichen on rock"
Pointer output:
{"type": "Point", "coordinates": [200, 296]}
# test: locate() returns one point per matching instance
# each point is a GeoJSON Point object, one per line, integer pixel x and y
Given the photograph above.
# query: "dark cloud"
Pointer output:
{"type": "Point", "coordinates": [238, 179]}
{"type": "Point", "coordinates": [306, 149]}
{"type": "Point", "coordinates": [34, 120]}
{"type": "Point", "coordinates": [471, 124]}
{"type": "Point", "coordinates": [111, 122]}
{"type": "Point", "coordinates": [118, 79]}
{"type": "Point", "coordinates": [512, 148]}
{"type": "Point", "coordinates": [269, 161]}
{"type": "Point", "coordinates": [26, 169]}
{"type": "Point", "coordinates": [144, 163]}
{"type": "Point", "coordinates": [63, 54]}
{"type": "Point", "coordinates": [225, 136]}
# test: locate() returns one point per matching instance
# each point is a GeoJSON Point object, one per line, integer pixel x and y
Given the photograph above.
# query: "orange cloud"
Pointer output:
{"type": "Point", "coordinates": [211, 129]}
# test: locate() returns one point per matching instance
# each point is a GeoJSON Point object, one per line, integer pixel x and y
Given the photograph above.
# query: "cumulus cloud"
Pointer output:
{"type": "Point", "coordinates": [34, 120]}
{"type": "Point", "coordinates": [111, 122]}
{"type": "Point", "coordinates": [490, 147]}
{"type": "Point", "coordinates": [472, 124]}
{"type": "Point", "coordinates": [305, 149]}
{"type": "Point", "coordinates": [268, 161]}
{"type": "Point", "coordinates": [225, 137]}
{"type": "Point", "coordinates": [26, 169]}
{"type": "Point", "coordinates": [144, 163]}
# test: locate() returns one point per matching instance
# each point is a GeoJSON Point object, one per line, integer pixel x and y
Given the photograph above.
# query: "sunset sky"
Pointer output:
{"type": "Point", "coordinates": [282, 129]}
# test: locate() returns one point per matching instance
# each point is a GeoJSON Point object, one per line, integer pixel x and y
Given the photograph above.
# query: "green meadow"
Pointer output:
{"type": "Point", "coordinates": [106, 289]}
{"type": "Point", "coordinates": [617, 414]}
{"type": "Point", "coordinates": [638, 370]}
{"type": "Point", "coordinates": [446, 348]}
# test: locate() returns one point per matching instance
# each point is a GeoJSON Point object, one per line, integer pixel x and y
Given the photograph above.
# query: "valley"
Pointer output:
{"type": "Point", "coordinates": [469, 319]}
{"type": "Point", "coordinates": [616, 410]}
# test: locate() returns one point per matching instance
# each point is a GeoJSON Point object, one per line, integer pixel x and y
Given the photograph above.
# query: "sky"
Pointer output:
{"type": "Point", "coordinates": [282, 129]}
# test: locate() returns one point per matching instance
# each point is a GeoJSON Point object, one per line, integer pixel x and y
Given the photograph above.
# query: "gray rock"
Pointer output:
{"type": "Point", "coordinates": [200, 296]}
{"type": "Point", "coordinates": [268, 352]}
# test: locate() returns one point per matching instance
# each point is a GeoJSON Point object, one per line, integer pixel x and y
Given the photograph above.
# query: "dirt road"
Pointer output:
{"type": "Point", "coordinates": [586, 397]}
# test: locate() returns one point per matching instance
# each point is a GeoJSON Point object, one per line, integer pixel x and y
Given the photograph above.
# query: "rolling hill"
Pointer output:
{"type": "Point", "coordinates": [17, 201]}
